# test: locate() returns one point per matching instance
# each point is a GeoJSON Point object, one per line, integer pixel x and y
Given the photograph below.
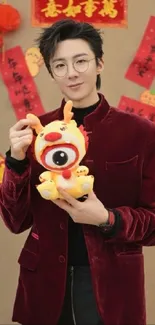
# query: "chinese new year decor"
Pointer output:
{"type": "Point", "coordinates": [97, 12]}
{"type": "Point", "coordinates": [148, 97]}
{"type": "Point", "coordinates": [142, 68]}
{"type": "Point", "coordinates": [131, 105]}
{"type": "Point", "coordinates": [2, 167]}
{"type": "Point", "coordinates": [9, 21]}
{"type": "Point", "coordinates": [20, 84]}
{"type": "Point", "coordinates": [34, 60]}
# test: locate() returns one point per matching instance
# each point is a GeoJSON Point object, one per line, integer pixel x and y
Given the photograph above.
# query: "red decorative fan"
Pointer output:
{"type": "Point", "coordinates": [9, 21]}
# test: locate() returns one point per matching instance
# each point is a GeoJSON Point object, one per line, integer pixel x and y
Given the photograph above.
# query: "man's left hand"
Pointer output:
{"type": "Point", "coordinates": [91, 211]}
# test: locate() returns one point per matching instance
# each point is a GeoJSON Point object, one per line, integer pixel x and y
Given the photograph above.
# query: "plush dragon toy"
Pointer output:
{"type": "Point", "coordinates": [59, 147]}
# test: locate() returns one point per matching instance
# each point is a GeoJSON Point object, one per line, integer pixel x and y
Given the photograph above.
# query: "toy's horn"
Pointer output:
{"type": "Point", "coordinates": [36, 124]}
{"type": "Point", "coordinates": [68, 111]}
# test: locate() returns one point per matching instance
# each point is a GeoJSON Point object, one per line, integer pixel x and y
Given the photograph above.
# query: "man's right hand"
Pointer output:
{"type": "Point", "coordinates": [20, 139]}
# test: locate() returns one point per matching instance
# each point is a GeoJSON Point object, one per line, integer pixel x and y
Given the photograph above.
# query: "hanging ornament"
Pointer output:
{"type": "Point", "coordinates": [1, 41]}
{"type": "Point", "coordinates": [34, 60]}
{"type": "Point", "coordinates": [148, 97]}
{"type": "Point", "coordinates": [9, 21]}
{"type": "Point", "coordinates": [2, 167]}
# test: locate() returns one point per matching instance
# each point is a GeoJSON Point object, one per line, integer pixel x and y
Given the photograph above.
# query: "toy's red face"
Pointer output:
{"type": "Point", "coordinates": [60, 146]}
{"type": "Point", "coordinates": [59, 157]}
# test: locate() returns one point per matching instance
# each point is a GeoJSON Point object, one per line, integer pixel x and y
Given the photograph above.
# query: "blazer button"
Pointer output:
{"type": "Point", "coordinates": [62, 226]}
{"type": "Point", "coordinates": [62, 259]}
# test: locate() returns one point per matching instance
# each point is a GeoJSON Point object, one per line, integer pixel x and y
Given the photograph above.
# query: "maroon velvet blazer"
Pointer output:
{"type": "Point", "coordinates": [121, 156]}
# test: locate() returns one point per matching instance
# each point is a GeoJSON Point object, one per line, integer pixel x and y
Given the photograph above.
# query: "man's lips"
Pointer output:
{"type": "Point", "coordinates": [75, 85]}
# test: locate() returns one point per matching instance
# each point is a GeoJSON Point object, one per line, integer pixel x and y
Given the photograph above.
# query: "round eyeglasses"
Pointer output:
{"type": "Point", "coordinates": [60, 69]}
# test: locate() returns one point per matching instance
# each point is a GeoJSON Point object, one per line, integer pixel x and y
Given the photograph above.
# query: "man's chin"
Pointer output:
{"type": "Point", "coordinates": [75, 97]}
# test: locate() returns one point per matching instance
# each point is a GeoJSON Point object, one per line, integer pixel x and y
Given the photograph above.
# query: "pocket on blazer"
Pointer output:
{"type": "Point", "coordinates": [119, 173]}
{"type": "Point", "coordinates": [123, 164]}
{"type": "Point", "coordinates": [28, 260]}
{"type": "Point", "coordinates": [129, 249]}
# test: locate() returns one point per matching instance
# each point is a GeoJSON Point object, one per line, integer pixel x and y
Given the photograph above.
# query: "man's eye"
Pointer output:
{"type": "Point", "coordinates": [81, 61]}
{"type": "Point", "coordinates": [41, 134]}
{"type": "Point", "coordinates": [59, 66]}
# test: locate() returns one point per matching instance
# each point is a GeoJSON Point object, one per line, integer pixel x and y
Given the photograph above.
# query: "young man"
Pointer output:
{"type": "Point", "coordinates": [82, 262]}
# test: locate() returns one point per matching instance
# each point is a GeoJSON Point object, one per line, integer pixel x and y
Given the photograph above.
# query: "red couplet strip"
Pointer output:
{"type": "Point", "coordinates": [142, 67]}
{"type": "Point", "coordinates": [21, 87]}
{"type": "Point", "coordinates": [134, 106]}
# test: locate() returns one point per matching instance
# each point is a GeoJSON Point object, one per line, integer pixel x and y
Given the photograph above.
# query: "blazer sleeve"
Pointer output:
{"type": "Point", "coordinates": [138, 225]}
{"type": "Point", "coordinates": [15, 200]}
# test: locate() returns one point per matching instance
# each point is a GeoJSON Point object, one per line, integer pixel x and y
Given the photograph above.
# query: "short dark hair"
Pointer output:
{"type": "Point", "coordinates": [69, 29]}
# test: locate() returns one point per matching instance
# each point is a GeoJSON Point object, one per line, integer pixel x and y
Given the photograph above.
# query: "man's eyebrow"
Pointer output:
{"type": "Point", "coordinates": [74, 57]}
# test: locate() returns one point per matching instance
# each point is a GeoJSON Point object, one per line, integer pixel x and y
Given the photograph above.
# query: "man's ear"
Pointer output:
{"type": "Point", "coordinates": [100, 65]}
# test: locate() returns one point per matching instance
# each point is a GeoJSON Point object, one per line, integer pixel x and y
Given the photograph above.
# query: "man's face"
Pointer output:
{"type": "Point", "coordinates": [75, 71]}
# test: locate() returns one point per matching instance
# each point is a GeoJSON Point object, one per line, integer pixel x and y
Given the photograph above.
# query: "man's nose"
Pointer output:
{"type": "Point", "coordinates": [53, 136]}
{"type": "Point", "coordinates": [71, 71]}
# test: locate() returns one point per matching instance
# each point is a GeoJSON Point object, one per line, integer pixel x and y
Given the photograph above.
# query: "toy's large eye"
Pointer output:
{"type": "Point", "coordinates": [60, 157]}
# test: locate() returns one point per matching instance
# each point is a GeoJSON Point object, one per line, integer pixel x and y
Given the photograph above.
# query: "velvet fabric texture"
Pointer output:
{"type": "Point", "coordinates": [121, 156]}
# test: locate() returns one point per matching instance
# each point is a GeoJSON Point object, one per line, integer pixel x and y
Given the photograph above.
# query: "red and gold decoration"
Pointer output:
{"type": "Point", "coordinates": [148, 97]}
{"type": "Point", "coordinates": [34, 60]}
{"type": "Point", "coordinates": [9, 21]}
{"type": "Point", "coordinates": [142, 67]}
{"type": "Point", "coordinates": [20, 84]}
{"type": "Point", "coordinates": [131, 105]}
{"type": "Point", "coordinates": [2, 166]}
{"type": "Point", "coordinates": [98, 12]}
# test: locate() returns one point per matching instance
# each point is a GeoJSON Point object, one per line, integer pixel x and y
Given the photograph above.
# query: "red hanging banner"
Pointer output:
{"type": "Point", "coordinates": [97, 12]}
{"type": "Point", "coordinates": [142, 68]}
{"type": "Point", "coordinates": [20, 84]}
{"type": "Point", "coordinates": [134, 106]}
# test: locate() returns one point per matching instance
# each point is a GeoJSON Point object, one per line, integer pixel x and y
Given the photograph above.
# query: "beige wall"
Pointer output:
{"type": "Point", "coordinates": [120, 45]}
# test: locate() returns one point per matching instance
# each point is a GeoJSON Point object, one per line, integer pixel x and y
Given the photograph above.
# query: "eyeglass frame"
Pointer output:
{"type": "Point", "coordinates": [73, 67]}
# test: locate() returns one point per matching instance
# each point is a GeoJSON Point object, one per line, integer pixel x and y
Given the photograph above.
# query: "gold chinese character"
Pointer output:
{"type": "Point", "coordinates": [89, 7]}
{"type": "Point", "coordinates": [71, 10]}
{"type": "Point", "coordinates": [109, 9]}
{"type": "Point", "coordinates": [51, 9]}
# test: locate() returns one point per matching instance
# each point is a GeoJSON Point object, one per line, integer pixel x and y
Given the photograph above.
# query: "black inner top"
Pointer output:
{"type": "Point", "coordinates": [77, 252]}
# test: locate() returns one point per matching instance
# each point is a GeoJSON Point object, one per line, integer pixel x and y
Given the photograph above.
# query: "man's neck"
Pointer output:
{"type": "Point", "coordinates": [92, 99]}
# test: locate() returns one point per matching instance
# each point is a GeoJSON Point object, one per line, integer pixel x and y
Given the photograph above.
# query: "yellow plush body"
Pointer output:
{"type": "Point", "coordinates": [59, 147]}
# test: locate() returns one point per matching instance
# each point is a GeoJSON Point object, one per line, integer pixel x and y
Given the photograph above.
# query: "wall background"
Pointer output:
{"type": "Point", "coordinates": [120, 46]}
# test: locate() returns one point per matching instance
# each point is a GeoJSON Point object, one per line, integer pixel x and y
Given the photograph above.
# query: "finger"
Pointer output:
{"type": "Point", "coordinates": [65, 206]}
{"type": "Point", "coordinates": [21, 139]}
{"type": "Point", "coordinates": [71, 200]}
{"type": "Point", "coordinates": [20, 124]}
{"type": "Point", "coordinates": [20, 144]}
{"type": "Point", "coordinates": [16, 134]}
